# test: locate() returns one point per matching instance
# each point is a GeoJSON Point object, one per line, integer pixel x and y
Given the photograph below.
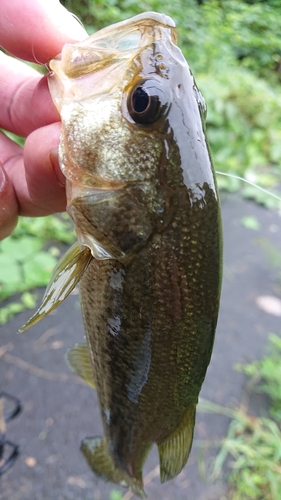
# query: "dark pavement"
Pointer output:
{"type": "Point", "coordinates": [59, 409]}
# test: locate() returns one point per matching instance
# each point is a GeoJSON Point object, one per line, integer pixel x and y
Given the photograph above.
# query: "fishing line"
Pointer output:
{"type": "Point", "coordinates": [251, 183]}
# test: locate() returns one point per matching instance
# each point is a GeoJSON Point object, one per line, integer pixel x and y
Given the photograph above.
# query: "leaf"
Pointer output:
{"type": "Point", "coordinates": [115, 495]}
{"type": "Point", "coordinates": [37, 271]}
{"type": "Point", "coordinates": [28, 301]}
{"type": "Point", "coordinates": [9, 270]}
{"type": "Point", "coordinates": [20, 249]}
{"type": "Point", "coordinates": [251, 222]}
{"type": "Point", "coordinates": [9, 311]}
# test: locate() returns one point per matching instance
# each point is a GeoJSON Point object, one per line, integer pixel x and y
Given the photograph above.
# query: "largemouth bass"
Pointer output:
{"type": "Point", "coordinates": [142, 195]}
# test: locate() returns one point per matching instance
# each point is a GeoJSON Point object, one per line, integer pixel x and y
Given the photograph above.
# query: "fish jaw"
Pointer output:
{"type": "Point", "coordinates": [119, 42]}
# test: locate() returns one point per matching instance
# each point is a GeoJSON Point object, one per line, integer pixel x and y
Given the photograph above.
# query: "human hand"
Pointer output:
{"type": "Point", "coordinates": [31, 182]}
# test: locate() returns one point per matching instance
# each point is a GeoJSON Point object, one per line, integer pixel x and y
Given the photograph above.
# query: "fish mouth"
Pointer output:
{"type": "Point", "coordinates": [134, 33]}
{"type": "Point", "coordinates": [116, 43]}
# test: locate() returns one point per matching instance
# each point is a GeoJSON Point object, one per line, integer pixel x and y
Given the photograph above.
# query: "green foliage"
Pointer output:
{"type": "Point", "coordinates": [255, 447]}
{"type": "Point", "coordinates": [251, 222]}
{"type": "Point", "coordinates": [255, 34]}
{"type": "Point", "coordinates": [27, 301]}
{"type": "Point", "coordinates": [95, 14]}
{"type": "Point", "coordinates": [115, 495]}
{"type": "Point", "coordinates": [267, 371]}
{"type": "Point", "coordinates": [16, 138]}
{"type": "Point", "coordinates": [243, 120]}
{"type": "Point", "coordinates": [248, 35]}
{"type": "Point", "coordinates": [24, 261]}
{"type": "Point", "coordinates": [253, 443]}
{"type": "Point", "coordinates": [23, 265]}
{"type": "Point", "coordinates": [45, 229]}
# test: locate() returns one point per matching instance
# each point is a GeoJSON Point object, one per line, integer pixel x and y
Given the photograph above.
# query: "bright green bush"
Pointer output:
{"type": "Point", "coordinates": [243, 119]}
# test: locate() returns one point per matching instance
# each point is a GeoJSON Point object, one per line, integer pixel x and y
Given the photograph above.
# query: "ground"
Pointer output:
{"type": "Point", "coordinates": [59, 409]}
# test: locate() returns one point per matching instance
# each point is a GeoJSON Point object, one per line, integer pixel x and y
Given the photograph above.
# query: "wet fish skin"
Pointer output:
{"type": "Point", "coordinates": [142, 195]}
{"type": "Point", "coordinates": [150, 313]}
{"type": "Point", "coordinates": [153, 338]}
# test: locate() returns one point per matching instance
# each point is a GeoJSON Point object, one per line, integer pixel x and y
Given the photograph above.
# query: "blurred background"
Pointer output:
{"type": "Point", "coordinates": [233, 48]}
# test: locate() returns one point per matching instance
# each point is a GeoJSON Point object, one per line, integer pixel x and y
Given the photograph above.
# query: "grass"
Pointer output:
{"type": "Point", "coordinates": [266, 374]}
{"type": "Point", "coordinates": [115, 495]}
{"type": "Point", "coordinates": [252, 447]}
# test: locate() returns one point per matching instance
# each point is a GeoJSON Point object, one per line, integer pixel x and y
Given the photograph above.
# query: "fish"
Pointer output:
{"type": "Point", "coordinates": [142, 194]}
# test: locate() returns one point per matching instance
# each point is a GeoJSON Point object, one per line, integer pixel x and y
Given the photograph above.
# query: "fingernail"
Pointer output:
{"type": "Point", "coordinates": [2, 178]}
{"type": "Point", "coordinates": [54, 159]}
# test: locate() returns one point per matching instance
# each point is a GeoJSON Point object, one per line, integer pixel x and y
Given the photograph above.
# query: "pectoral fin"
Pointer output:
{"type": "Point", "coordinates": [99, 459]}
{"type": "Point", "coordinates": [174, 452]}
{"type": "Point", "coordinates": [65, 277]}
{"type": "Point", "coordinates": [79, 361]}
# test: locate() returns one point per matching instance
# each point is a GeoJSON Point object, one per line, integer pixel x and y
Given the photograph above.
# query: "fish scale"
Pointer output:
{"type": "Point", "coordinates": [172, 354]}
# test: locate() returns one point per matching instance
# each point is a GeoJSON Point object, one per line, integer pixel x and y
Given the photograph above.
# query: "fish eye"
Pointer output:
{"type": "Point", "coordinates": [148, 101]}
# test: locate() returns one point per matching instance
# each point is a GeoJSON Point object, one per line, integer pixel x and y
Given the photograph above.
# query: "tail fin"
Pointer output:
{"type": "Point", "coordinates": [100, 460]}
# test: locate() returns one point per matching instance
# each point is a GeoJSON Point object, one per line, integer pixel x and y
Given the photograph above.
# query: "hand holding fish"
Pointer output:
{"type": "Point", "coordinates": [31, 182]}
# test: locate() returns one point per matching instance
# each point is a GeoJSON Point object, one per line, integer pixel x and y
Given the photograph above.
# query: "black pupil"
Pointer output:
{"type": "Point", "coordinates": [140, 100]}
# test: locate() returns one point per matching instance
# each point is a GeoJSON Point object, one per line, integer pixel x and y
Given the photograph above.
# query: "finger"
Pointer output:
{"type": "Point", "coordinates": [8, 200]}
{"type": "Point", "coordinates": [25, 101]}
{"type": "Point", "coordinates": [8, 205]}
{"type": "Point", "coordinates": [37, 30]}
{"type": "Point", "coordinates": [38, 183]}
{"type": "Point", "coordinates": [45, 180]}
